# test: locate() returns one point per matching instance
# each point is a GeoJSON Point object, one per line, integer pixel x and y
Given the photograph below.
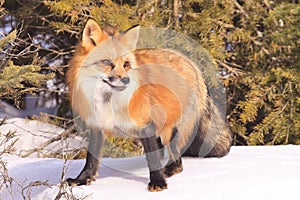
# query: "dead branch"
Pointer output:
{"type": "Point", "coordinates": [28, 188]}
{"type": "Point", "coordinates": [61, 136]}
{"type": "Point", "coordinates": [241, 9]}
{"type": "Point", "coordinates": [236, 72]}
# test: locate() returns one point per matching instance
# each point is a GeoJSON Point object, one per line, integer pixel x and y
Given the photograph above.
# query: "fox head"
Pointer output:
{"type": "Point", "coordinates": [105, 56]}
{"type": "Point", "coordinates": [101, 66]}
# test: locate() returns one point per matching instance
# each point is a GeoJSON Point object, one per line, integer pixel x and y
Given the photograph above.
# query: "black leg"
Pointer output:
{"type": "Point", "coordinates": [149, 142]}
{"type": "Point", "coordinates": [89, 172]}
{"type": "Point", "coordinates": [174, 165]}
{"type": "Point", "coordinates": [161, 148]}
{"type": "Point", "coordinates": [173, 168]}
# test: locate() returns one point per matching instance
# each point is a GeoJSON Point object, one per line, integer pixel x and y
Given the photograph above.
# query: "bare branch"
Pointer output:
{"type": "Point", "coordinates": [235, 72]}
{"type": "Point", "coordinates": [241, 9]}
{"type": "Point", "coordinates": [28, 188]}
{"type": "Point", "coordinates": [176, 13]}
{"type": "Point", "coordinates": [43, 145]}
{"type": "Point", "coordinates": [268, 4]}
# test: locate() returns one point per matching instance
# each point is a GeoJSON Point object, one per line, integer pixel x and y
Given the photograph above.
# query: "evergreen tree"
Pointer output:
{"type": "Point", "coordinates": [270, 110]}
{"type": "Point", "coordinates": [17, 80]}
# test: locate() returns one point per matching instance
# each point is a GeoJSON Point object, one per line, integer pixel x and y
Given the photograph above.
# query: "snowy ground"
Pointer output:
{"type": "Point", "coordinates": [31, 134]}
{"type": "Point", "coordinates": [246, 173]}
{"type": "Point", "coordinates": [265, 172]}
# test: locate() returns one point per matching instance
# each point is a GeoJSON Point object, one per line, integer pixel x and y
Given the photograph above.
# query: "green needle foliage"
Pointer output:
{"type": "Point", "coordinates": [16, 81]}
{"type": "Point", "coordinates": [269, 112]}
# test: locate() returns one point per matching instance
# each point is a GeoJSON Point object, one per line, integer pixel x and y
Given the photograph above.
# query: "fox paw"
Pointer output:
{"type": "Point", "coordinates": [173, 168]}
{"type": "Point", "coordinates": [157, 186]}
{"type": "Point", "coordinates": [78, 182]}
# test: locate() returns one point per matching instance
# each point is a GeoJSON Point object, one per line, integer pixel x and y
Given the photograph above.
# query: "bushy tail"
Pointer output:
{"type": "Point", "coordinates": [212, 135]}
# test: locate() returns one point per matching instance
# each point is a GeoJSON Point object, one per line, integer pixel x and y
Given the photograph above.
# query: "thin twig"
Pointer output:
{"type": "Point", "coordinates": [33, 184]}
{"type": "Point", "coordinates": [241, 9]}
{"type": "Point", "coordinates": [268, 4]}
{"type": "Point", "coordinates": [236, 72]}
{"type": "Point", "coordinates": [54, 139]}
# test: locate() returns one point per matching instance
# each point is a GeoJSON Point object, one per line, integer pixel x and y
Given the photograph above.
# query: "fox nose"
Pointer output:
{"type": "Point", "coordinates": [125, 80]}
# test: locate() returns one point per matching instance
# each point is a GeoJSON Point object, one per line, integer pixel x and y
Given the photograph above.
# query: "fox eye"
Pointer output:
{"type": "Point", "coordinates": [107, 62]}
{"type": "Point", "coordinates": [126, 64]}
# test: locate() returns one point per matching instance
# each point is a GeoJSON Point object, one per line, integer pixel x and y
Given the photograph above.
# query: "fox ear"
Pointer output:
{"type": "Point", "coordinates": [92, 34]}
{"type": "Point", "coordinates": [131, 36]}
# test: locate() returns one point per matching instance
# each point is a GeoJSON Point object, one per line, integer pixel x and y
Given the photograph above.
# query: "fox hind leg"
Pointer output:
{"type": "Point", "coordinates": [213, 142]}
{"type": "Point", "coordinates": [174, 165]}
{"type": "Point", "coordinates": [161, 148]}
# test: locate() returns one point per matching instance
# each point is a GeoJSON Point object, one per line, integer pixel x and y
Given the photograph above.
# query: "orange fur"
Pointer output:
{"type": "Point", "coordinates": [142, 106]}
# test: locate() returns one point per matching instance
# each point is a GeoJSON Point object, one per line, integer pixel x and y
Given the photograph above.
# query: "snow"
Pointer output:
{"type": "Point", "coordinates": [264, 172]}
{"type": "Point", "coordinates": [248, 173]}
{"type": "Point", "coordinates": [31, 134]}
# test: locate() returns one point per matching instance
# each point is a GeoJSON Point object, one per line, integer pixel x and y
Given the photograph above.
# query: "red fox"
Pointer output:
{"type": "Point", "coordinates": [157, 95]}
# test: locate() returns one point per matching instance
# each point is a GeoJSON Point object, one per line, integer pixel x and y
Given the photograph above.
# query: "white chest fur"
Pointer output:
{"type": "Point", "coordinates": [109, 110]}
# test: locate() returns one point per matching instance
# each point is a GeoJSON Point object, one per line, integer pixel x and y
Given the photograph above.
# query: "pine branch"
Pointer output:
{"type": "Point", "coordinates": [278, 113]}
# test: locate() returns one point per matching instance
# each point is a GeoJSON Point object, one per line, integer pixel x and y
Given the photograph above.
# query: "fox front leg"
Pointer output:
{"type": "Point", "coordinates": [149, 142]}
{"type": "Point", "coordinates": [89, 172]}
